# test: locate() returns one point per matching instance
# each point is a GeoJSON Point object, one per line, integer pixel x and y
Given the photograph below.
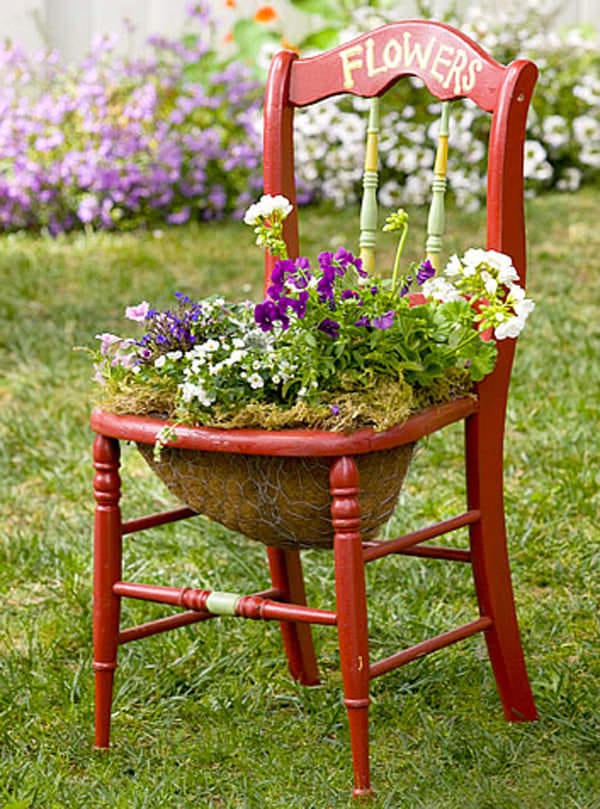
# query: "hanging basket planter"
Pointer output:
{"type": "Point", "coordinates": [280, 501]}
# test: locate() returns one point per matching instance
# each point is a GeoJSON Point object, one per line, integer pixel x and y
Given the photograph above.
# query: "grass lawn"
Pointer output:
{"type": "Point", "coordinates": [207, 716]}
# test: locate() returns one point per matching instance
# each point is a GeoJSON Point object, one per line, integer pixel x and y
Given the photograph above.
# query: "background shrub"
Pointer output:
{"type": "Point", "coordinates": [562, 149]}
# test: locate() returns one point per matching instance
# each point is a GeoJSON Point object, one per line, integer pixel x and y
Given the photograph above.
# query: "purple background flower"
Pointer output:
{"type": "Point", "coordinates": [117, 141]}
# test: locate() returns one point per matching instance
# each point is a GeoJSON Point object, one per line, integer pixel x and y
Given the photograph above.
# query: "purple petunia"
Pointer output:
{"type": "Point", "coordinates": [303, 275]}
{"type": "Point", "coordinates": [325, 287]}
{"type": "Point", "coordinates": [425, 272]}
{"type": "Point", "coordinates": [265, 315]}
{"type": "Point", "coordinates": [383, 322]}
{"type": "Point", "coordinates": [347, 259]}
{"type": "Point", "coordinates": [298, 305]}
{"type": "Point", "coordinates": [330, 327]}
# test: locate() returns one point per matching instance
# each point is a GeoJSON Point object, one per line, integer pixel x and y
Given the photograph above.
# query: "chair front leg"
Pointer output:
{"type": "Point", "coordinates": [107, 571]}
{"type": "Point", "coordinates": [353, 632]}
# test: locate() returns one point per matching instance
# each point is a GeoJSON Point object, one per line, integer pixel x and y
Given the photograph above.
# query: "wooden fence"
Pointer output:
{"type": "Point", "coordinates": [69, 25]}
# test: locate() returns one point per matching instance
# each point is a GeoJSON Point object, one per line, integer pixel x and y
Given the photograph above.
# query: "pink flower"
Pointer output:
{"type": "Point", "coordinates": [106, 341]}
{"type": "Point", "coordinates": [137, 313]}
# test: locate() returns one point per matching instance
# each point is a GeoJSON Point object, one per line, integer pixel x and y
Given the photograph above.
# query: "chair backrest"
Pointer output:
{"type": "Point", "coordinates": [451, 66]}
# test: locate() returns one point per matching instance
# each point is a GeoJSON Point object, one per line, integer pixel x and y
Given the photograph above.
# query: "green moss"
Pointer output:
{"type": "Point", "coordinates": [380, 406]}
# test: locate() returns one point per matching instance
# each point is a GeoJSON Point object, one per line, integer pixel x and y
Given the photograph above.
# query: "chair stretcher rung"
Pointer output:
{"type": "Point", "coordinates": [264, 606]}
{"type": "Point", "coordinates": [153, 520]}
{"type": "Point", "coordinates": [438, 552]}
{"type": "Point", "coordinates": [428, 646]}
{"type": "Point", "coordinates": [162, 625]}
{"type": "Point", "coordinates": [378, 548]}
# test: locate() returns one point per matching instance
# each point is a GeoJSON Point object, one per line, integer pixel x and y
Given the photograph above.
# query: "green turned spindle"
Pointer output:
{"type": "Point", "coordinates": [368, 209]}
{"type": "Point", "coordinates": [436, 221]}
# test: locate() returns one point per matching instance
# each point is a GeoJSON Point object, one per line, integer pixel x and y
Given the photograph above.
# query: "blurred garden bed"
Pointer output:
{"type": "Point", "coordinates": [175, 136]}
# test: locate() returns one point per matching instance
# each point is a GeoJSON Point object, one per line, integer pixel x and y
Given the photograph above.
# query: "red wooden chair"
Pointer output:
{"type": "Point", "coordinates": [451, 66]}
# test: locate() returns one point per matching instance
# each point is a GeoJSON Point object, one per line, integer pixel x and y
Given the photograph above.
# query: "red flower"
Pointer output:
{"type": "Point", "coordinates": [416, 299]}
{"type": "Point", "coordinates": [487, 334]}
{"type": "Point", "coordinates": [478, 304]}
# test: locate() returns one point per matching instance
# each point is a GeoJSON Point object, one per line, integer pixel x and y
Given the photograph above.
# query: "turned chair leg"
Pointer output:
{"type": "Point", "coordinates": [107, 571]}
{"type": "Point", "coordinates": [352, 614]}
{"type": "Point", "coordinates": [491, 570]}
{"type": "Point", "coordinates": [286, 576]}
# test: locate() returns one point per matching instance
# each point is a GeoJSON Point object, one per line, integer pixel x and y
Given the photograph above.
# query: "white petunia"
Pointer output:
{"type": "Point", "coordinates": [556, 130]}
{"type": "Point", "coordinates": [590, 155]}
{"type": "Point", "coordinates": [256, 381]}
{"type": "Point", "coordinates": [586, 128]}
{"type": "Point", "coordinates": [535, 156]}
{"type": "Point", "coordinates": [570, 180]}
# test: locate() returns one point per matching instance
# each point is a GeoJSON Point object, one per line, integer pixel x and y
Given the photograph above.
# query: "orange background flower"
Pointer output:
{"type": "Point", "coordinates": [265, 14]}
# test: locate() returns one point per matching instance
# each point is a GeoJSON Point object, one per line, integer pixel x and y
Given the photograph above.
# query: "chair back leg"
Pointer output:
{"type": "Point", "coordinates": [491, 569]}
{"type": "Point", "coordinates": [286, 576]}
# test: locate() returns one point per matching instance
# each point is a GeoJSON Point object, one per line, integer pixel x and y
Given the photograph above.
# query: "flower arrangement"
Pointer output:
{"type": "Point", "coordinates": [330, 346]}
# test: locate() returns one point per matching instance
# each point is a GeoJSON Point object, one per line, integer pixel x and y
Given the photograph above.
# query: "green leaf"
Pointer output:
{"type": "Point", "coordinates": [249, 37]}
{"type": "Point", "coordinates": [320, 40]}
{"type": "Point", "coordinates": [200, 70]}
{"type": "Point", "coordinates": [328, 9]}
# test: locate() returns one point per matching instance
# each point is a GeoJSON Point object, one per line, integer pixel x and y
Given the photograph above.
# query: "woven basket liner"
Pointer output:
{"type": "Point", "coordinates": [279, 501]}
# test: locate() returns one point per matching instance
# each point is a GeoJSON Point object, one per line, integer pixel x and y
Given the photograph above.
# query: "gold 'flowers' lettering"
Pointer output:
{"type": "Point", "coordinates": [449, 66]}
